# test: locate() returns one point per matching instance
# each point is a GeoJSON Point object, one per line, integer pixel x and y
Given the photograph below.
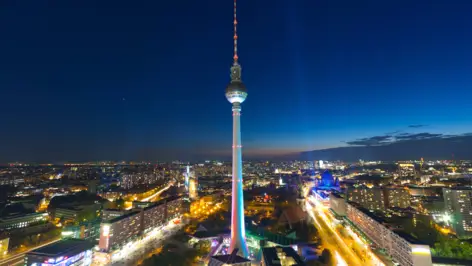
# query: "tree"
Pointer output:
{"type": "Point", "coordinates": [120, 203]}
{"type": "Point", "coordinates": [452, 248]}
{"type": "Point", "coordinates": [86, 215]}
{"type": "Point", "coordinates": [172, 256]}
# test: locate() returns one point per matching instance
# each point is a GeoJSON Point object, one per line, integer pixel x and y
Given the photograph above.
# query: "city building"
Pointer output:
{"type": "Point", "coordinates": [291, 216]}
{"type": "Point", "coordinates": [154, 215]}
{"type": "Point", "coordinates": [327, 181]}
{"type": "Point", "coordinates": [22, 220]}
{"type": "Point", "coordinates": [108, 214]}
{"type": "Point", "coordinates": [458, 205]}
{"type": "Point", "coordinates": [85, 230]}
{"type": "Point", "coordinates": [396, 197]}
{"type": "Point", "coordinates": [71, 214]}
{"type": "Point", "coordinates": [280, 256]}
{"type": "Point", "coordinates": [139, 175]}
{"type": "Point", "coordinates": [323, 188]}
{"type": "Point", "coordinates": [236, 94]}
{"type": "Point", "coordinates": [174, 207]}
{"type": "Point", "coordinates": [4, 243]}
{"type": "Point", "coordinates": [401, 247]}
{"type": "Point", "coordinates": [369, 198]}
{"type": "Point", "coordinates": [337, 204]}
{"type": "Point", "coordinates": [120, 230]}
{"type": "Point", "coordinates": [379, 198]}
{"type": "Point", "coordinates": [64, 252]}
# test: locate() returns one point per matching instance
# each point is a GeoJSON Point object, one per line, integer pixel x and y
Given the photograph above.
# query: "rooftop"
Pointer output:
{"type": "Point", "coordinates": [411, 239]}
{"type": "Point", "coordinates": [213, 233]}
{"type": "Point", "coordinates": [271, 256]}
{"type": "Point", "coordinates": [172, 198]}
{"type": "Point", "coordinates": [159, 203]}
{"type": "Point", "coordinates": [368, 213]}
{"type": "Point", "coordinates": [119, 218]}
{"type": "Point", "coordinates": [336, 195]}
{"type": "Point", "coordinates": [25, 215]}
{"type": "Point", "coordinates": [67, 247]}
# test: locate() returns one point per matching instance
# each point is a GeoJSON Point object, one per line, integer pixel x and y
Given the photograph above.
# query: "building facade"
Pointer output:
{"type": "Point", "coordinates": [154, 215]}
{"type": "Point", "coordinates": [397, 198]}
{"type": "Point", "coordinates": [120, 230]}
{"type": "Point", "coordinates": [337, 204]}
{"type": "Point", "coordinates": [22, 221]}
{"type": "Point", "coordinates": [457, 204]}
{"type": "Point", "coordinates": [369, 198]}
{"type": "Point", "coordinates": [108, 214]}
{"type": "Point", "coordinates": [379, 198]}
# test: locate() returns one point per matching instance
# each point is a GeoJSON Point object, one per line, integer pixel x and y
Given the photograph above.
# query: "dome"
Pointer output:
{"type": "Point", "coordinates": [327, 179]}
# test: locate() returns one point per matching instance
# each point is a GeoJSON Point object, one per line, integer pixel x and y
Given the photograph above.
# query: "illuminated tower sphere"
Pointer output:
{"type": "Point", "coordinates": [236, 94]}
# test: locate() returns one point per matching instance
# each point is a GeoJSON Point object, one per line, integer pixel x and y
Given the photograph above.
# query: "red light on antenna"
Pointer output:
{"type": "Point", "coordinates": [235, 37]}
{"type": "Point", "coordinates": [235, 22]}
{"type": "Point", "coordinates": [235, 57]}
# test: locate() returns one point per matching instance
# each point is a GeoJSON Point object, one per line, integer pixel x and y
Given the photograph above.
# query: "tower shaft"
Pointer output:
{"type": "Point", "coordinates": [238, 231]}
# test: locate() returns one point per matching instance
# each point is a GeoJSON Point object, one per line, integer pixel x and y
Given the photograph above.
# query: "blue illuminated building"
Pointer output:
{"type": "Point", "coordinates": [327, 181]}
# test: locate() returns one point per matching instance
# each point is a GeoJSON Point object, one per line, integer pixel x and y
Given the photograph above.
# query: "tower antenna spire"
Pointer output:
{"type": "Point", "coordinates": [235, 37]}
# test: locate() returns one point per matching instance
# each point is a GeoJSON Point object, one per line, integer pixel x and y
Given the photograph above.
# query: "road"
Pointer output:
{"type": "Point", "coordinates": [157, 193]}
{"type": "Point", "coordinates": [17, 259]}
{"type": "Point", "coordinates": [332, 240]}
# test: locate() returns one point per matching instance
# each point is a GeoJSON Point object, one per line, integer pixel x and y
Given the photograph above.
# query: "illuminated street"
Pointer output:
{"type": "Point", "coordinates": [157, 193]}
{"type": "Point", "coordinates": [325, 223]}
{"type": "Point", "coordinates": [17, 259]}
{"type": "Point", "coordinates": [333, 241]}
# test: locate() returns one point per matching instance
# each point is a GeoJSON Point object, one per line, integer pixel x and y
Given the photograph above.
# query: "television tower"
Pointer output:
{"type": "Point", "coordinates": [236, 94]}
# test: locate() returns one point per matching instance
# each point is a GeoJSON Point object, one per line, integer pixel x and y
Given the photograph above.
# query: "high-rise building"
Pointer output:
{"type": "Point", "coordinates": [119, 230]}
{"type": "Point", "coordinates": [379, 198]}
{"type": "Point", "coordinates": [458, 205]}
{"type": "Point", "coordinates": [369, 198]}
{"type": "Point", "coordinates": [236, 94]}
{"type": "Point", "coordinates": [397, 198]}
{"type": "Point", "coordinates": [401, 247]}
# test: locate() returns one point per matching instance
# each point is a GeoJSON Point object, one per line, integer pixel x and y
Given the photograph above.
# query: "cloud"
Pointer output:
{"type": "Point", "coordinates": [416, 126]}
{"type": "Point", "coordinates": [404, 146]}
{"type": "Point", "coordinates": [396, 137]}
{"type": "Point", "coordinates": [418, 136]}
{"type": "Point", "coordinates": [372, 141]}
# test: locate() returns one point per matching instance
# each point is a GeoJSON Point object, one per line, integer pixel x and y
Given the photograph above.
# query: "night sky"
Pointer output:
{"type": "Point", "coordinates": [92, 80]}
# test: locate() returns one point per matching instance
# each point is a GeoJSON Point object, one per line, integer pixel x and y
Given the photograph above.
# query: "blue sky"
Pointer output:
{"type": "Point", "coordinates": [145, 79]}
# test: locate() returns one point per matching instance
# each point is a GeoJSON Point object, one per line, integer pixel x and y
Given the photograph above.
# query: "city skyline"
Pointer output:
{"type": "Point", "coordinates": [114, 80]}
